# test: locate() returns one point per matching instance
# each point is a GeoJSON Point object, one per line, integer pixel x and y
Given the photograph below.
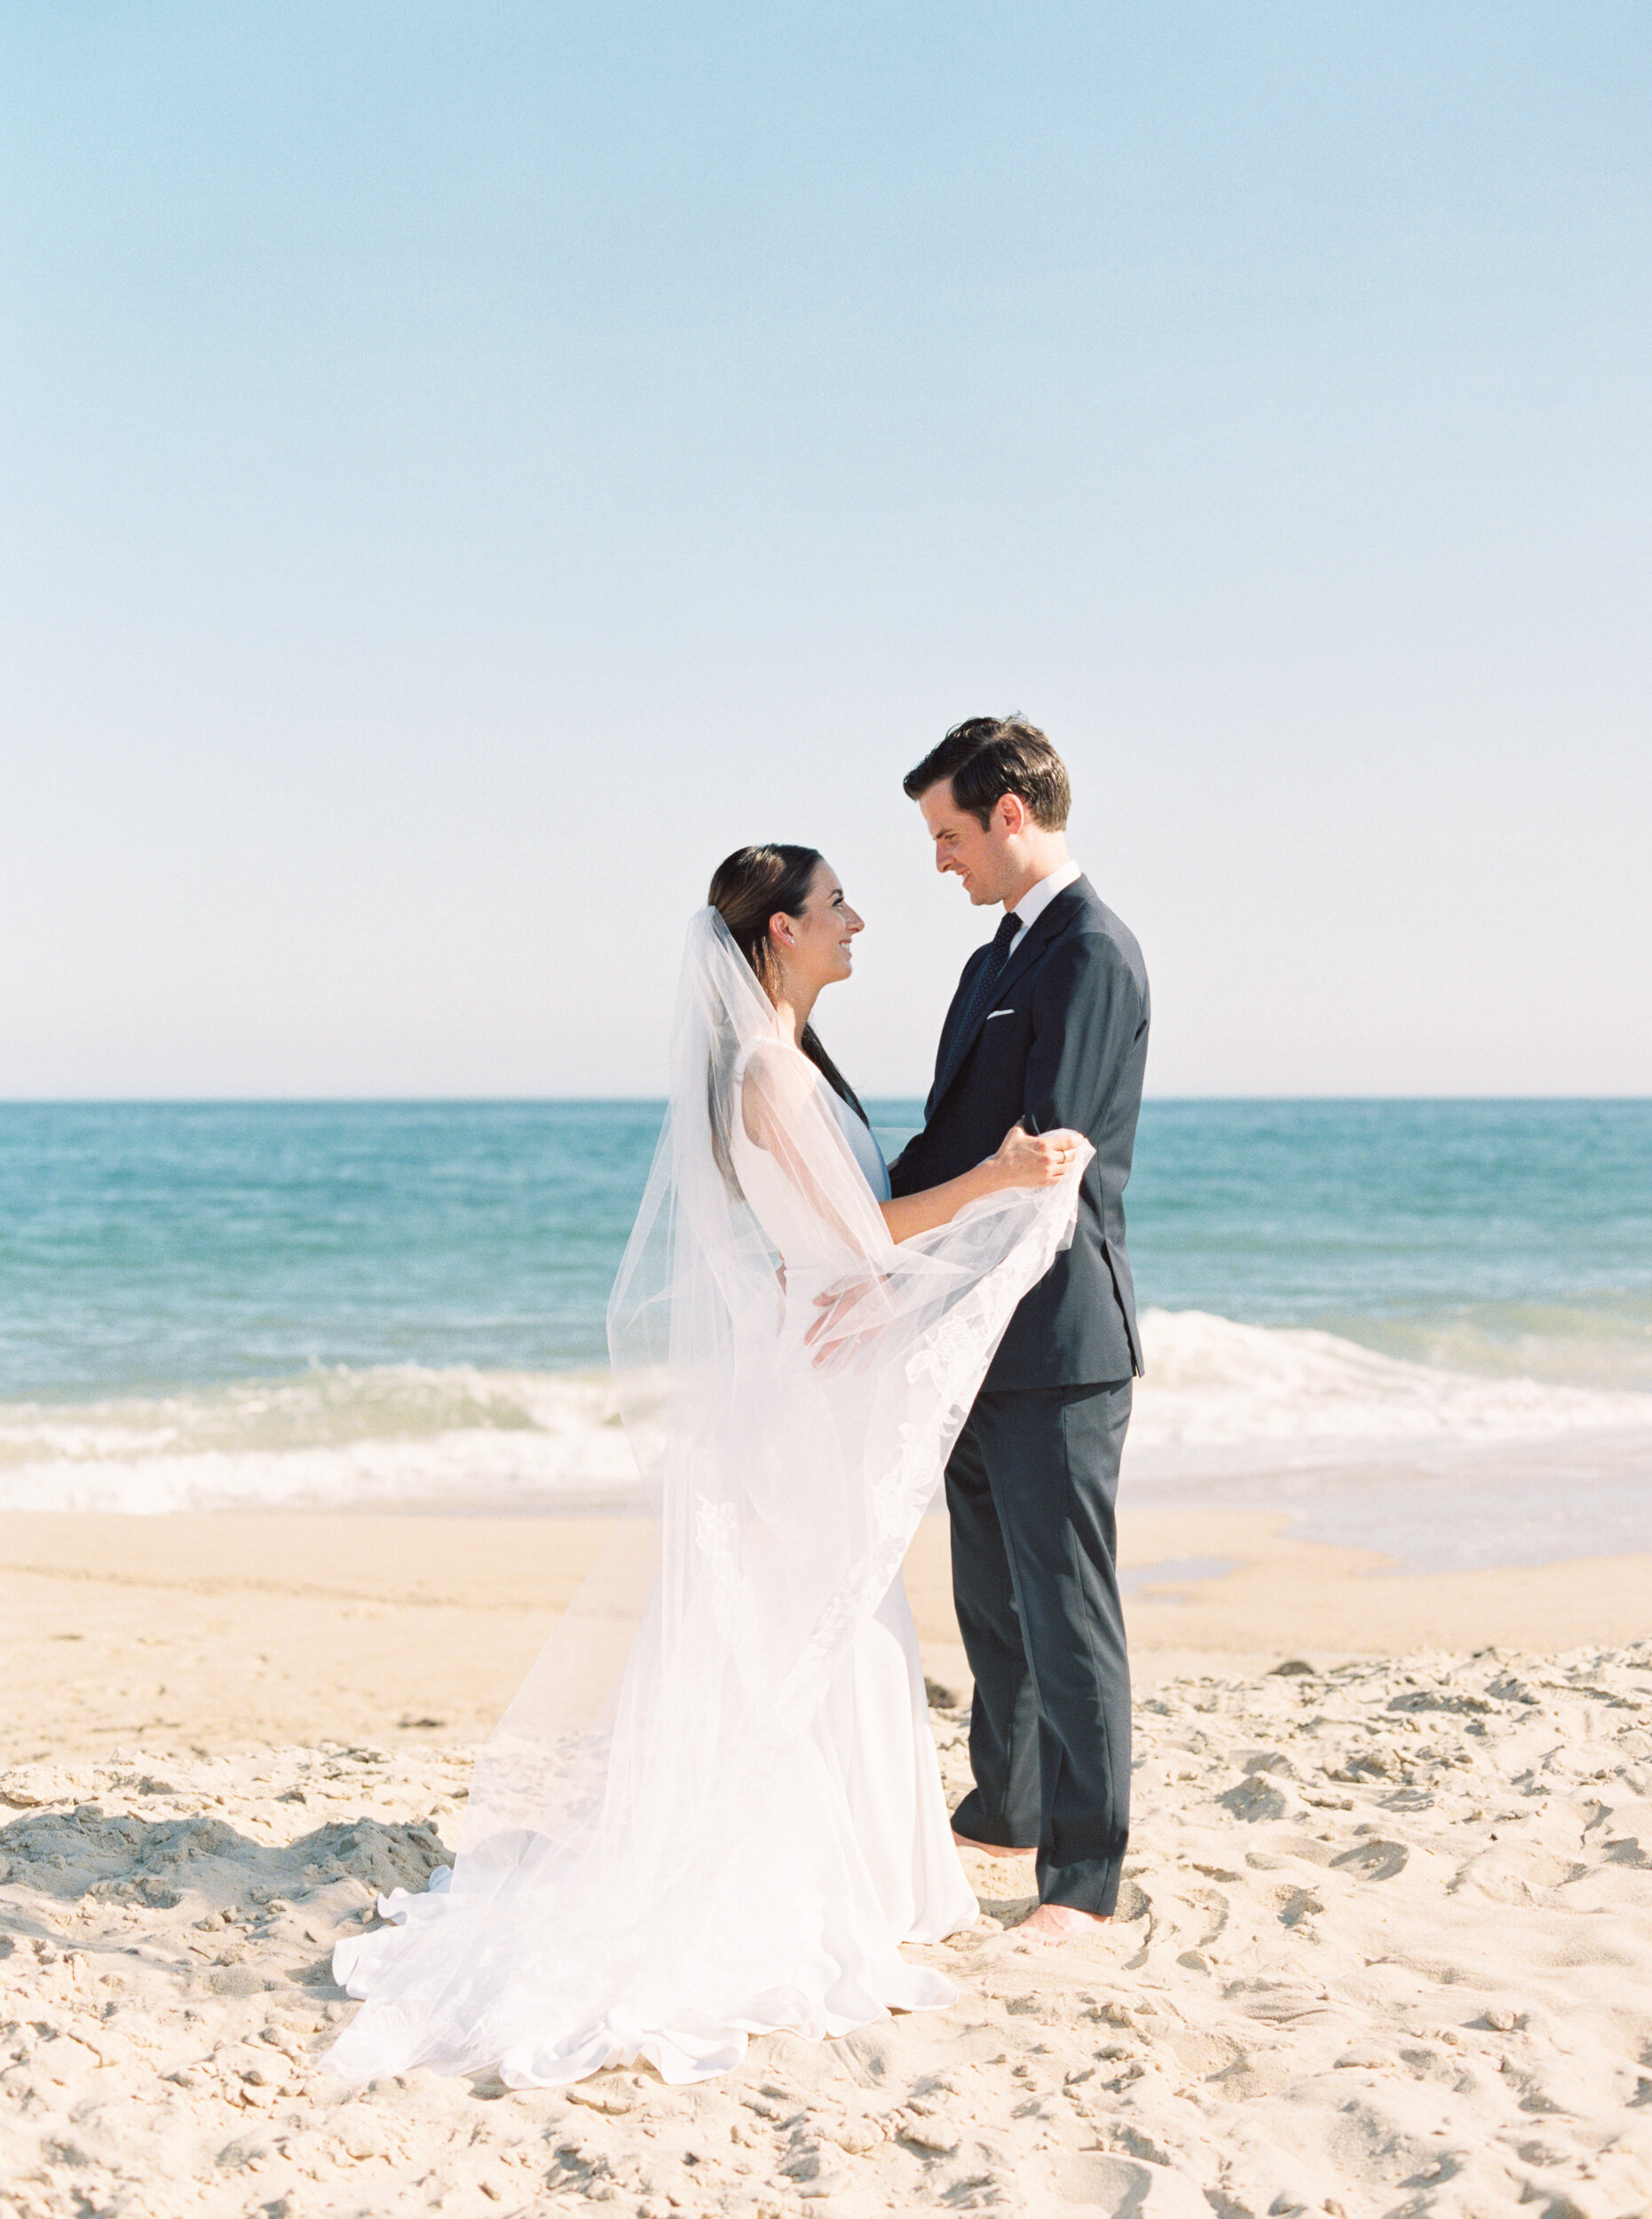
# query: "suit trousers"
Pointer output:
{"type": "Point", "coordinates": [1030, 1487]}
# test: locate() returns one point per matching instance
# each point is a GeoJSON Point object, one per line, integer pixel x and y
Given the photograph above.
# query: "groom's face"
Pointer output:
{"type": "Point", "coordinates": [972, 851]}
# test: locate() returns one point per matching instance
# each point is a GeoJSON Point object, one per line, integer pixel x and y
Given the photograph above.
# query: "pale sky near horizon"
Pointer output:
{"type": "Point", "coordinates": [469, 467]}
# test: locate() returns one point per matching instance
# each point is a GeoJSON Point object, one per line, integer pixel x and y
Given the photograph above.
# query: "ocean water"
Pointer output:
{"type": "Point", "coordinates": [1424, 1327]}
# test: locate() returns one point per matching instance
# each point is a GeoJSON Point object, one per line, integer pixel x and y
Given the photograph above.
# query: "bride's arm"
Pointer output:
{"type": "Point", "coordinates": [1025, 1160]}
{"type": "Point", "coordinates": [781, 1112]}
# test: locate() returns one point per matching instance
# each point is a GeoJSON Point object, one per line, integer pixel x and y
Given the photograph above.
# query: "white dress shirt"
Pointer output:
{"type": "Point", "coordinates": [1038, 898]}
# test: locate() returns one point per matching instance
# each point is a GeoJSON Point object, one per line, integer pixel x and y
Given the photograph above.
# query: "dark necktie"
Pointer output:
{"type": "Point", "coordinates": [987, 977]}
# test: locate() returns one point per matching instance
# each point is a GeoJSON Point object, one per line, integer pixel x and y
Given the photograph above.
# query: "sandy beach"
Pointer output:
{"type": "Point", "coordinates": [1385, 1944]}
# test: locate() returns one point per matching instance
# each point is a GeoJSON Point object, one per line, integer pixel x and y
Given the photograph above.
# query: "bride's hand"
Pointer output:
{"type": "Point", "coordinates": [1034, 1159]}
{"type": "Point", "coordinates": [838, 1306]}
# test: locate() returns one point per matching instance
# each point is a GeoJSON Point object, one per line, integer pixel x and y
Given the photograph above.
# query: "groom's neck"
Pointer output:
{"type": "Point", "coordinates": [1036, 853]}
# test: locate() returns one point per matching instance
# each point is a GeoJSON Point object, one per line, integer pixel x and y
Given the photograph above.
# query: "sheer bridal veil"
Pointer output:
{"type": "Point", "coordinates": [655, 1859]}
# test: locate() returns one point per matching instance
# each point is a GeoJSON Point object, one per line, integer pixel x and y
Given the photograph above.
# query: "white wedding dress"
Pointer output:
{"type": "Point", "coordinates": [714, 1809]}
{"type": "Point", "coordinates": [873, 1727]}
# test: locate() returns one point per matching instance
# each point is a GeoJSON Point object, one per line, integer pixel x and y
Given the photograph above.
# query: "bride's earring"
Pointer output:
{"type": "Point", "coordinates": [777, 960]}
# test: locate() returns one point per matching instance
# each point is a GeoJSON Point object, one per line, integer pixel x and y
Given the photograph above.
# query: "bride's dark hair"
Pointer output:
{"type": "Point", "coordinates": [746, 888]}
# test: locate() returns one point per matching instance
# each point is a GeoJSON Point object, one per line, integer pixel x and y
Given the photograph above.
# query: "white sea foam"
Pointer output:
{"type": "Point", "coordinates": [1433, 1469]}
{"type": "Point", "coordinates": [389, 1437]}
{"type": "Point", "coordinates": [1219, 1396]}
{"type": "Point", "coordinates": [1212, 1383]}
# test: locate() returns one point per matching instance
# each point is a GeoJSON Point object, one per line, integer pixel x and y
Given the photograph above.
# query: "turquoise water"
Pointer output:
{"type": "Point", "coordinates": [398, 1302]}
{"type": "Point", "coordinates": [1503, 1234]}
{"type": "Point", "coordinates": [148, 1247]}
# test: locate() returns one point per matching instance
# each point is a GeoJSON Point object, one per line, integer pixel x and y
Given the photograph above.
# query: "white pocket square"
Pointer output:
{"type": "Point", "coordinates": [998, 1013]}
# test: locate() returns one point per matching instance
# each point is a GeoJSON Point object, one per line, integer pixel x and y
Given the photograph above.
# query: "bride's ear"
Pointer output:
{"type": "Point", "coordinates": [782, 930]}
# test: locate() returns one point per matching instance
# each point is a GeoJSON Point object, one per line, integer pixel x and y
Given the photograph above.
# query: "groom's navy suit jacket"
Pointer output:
{"type": "Point", "coordinates": [1063, 1042]}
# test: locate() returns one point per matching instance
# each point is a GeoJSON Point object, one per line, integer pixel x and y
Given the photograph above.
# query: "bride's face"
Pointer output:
{"type": "Point", "coordinates": [814, 947]}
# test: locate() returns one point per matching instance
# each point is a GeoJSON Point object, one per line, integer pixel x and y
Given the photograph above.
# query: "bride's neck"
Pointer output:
{"type": "Point", "coordinates": [794, 1002]}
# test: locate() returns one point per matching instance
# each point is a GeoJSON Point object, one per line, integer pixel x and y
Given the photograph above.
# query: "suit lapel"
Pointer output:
{"type": "Point", "coordinates": [945, 1055]}
{"type": "Point", "coordinates": [1040, 934]}
{"type": "Point", "coordinates": [1059, 914]}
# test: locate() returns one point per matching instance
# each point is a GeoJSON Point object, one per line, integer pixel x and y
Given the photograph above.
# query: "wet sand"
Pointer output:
{"type": "Point", "coordinates": [212, 1632]}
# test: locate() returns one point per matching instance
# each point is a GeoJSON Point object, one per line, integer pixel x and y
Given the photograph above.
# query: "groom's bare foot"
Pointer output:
{"type": "Point", "coordinates": [1060, 1923]}
{"type": "Point", "coordinates": [995, 1849]}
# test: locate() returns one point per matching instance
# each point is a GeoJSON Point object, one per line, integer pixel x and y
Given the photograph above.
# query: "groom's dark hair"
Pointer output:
{"type": "Point", "coordinates": [986, 757]}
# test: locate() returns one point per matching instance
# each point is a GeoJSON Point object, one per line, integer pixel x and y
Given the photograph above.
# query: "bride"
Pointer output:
{"type": "Point", "coordinates": [714, 1809]}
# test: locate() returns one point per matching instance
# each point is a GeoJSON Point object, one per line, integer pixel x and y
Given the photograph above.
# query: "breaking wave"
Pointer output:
{"type": "Point", "coordinates": [457, 1438]}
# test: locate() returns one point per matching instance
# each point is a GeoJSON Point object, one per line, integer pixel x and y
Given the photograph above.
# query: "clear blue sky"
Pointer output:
{"type": "Point", "coordinates": [467, 467]}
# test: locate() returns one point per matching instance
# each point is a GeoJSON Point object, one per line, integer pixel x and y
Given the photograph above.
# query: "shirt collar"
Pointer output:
{"type": "Point", "coordinates": [1038, 898]}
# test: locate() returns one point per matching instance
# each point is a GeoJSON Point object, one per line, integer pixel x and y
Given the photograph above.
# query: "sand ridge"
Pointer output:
{"type": "Point", "coordinates": [1385, 1948]}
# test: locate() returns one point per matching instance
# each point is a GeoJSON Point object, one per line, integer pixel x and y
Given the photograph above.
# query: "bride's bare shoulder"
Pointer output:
{"type": "Point", "coordinates": [778, 1082]}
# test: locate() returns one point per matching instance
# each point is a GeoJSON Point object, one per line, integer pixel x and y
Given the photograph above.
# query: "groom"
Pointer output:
{"type": "Point", "coordinates": [1048, 1028]}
